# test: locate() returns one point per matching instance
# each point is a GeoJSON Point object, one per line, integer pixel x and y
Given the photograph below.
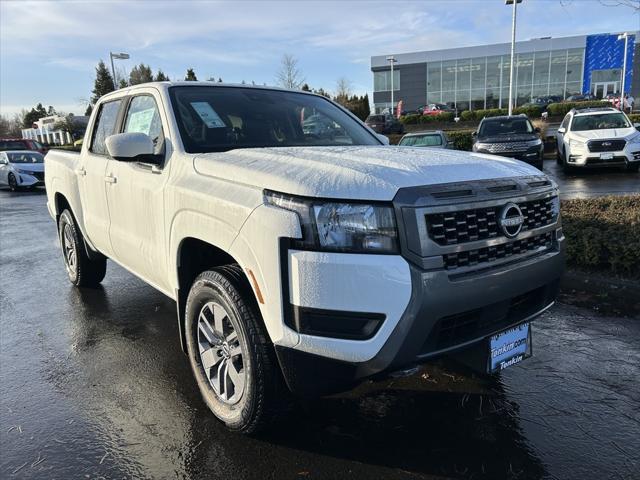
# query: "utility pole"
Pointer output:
{"type": "Point", "coordinates": [117, 56]}
{"type": "Point", "coordinates": [513, 50]}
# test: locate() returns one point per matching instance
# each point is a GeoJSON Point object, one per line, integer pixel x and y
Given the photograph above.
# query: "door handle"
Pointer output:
{"type": "Point", "coordinates": [81, 171]}
{"type": "Point", "coordinates": [110, 179]}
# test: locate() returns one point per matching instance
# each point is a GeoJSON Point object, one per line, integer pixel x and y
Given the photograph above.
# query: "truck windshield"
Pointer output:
{"type": "Point", "coordinates": [215, 119]}
{"type": "Point", "coordinates": [582, 123]}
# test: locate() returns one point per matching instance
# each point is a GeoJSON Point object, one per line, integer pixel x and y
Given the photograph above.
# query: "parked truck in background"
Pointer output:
{"type": "Point", "coordinates": [304, 263]}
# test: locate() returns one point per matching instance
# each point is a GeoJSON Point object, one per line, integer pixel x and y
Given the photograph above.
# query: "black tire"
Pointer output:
{"type": "Point", "coordinates": [633, 167]}
{"type": "Point", "coordinates": [264, 396]}
{"type": "Point", "coordinates": [13, 183]}
{"type": "Point", "coordinates": [82, 270]}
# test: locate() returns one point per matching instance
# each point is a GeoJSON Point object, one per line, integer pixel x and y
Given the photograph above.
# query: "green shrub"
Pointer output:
{"type": "Point", "coordinates": [531, 111]}
{"type": "Point", "coordinates": [467, 115]}
{"type": "Point", "coordinates": [561, 109]}
{"type": "Point", "coordinates": [412, 119]}
{"type": "Point", "coordinates": [603, 234]}
{"type": "Point", "coordinates": [462, 139]}
{"type": "Point", "coordinates": [439, 118]}
{"type": "Point", "coordinates": [634, 117]}
{"type": "Point", "coordinates": [489, 112]}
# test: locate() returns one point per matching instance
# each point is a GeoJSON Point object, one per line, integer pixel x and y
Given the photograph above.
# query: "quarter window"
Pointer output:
{"type": "Point", "coordinates": [105, 126]}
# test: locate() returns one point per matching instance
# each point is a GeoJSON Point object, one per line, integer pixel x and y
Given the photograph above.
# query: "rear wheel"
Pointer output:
{"type": "Point", "coordinates": [82, 270]}
{"type": "Point", "coordinates": [230, 353]}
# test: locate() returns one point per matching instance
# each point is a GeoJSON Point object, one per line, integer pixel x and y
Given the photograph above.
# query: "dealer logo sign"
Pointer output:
{"type": "Point", "coordinates": [511, 220]}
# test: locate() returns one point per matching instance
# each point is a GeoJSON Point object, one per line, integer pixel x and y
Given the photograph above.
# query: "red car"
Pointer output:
{"type": "Point", "coordinates": [22, 144]}
{"type": "Point", "coordinates": [435, 109]}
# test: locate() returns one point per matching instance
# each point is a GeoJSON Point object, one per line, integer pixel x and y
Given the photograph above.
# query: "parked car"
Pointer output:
{"type": "Point", "coordinates": [319, 126]}
{"type": "Point", "coordinates": [431, 138]}
{"type": "Point", "coordinates": [299, 265]}
{"type": "Point", "coordinates": [21, 169]}
{"type": "Point", "coordinates": [510, 136]}
{"type": "Point", "coordinates": [22, 144]}
{"type": "Point", "coordinates": [597, 137]}
{"type": "Point", "coordinates": [435, 109]}
{"type": "Point", "coordinates": [384, 123]}
{"type": "Point", "coordinates": [581, 98]}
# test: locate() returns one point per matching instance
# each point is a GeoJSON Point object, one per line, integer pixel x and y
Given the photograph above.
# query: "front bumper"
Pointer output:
{"type": "Point", "coordinates": [585, 159]}
{"type": "Point", "coordinates": [28, 180]}
{"type": "Point", "coordinates": [533, 156]}
{"type": "Point", "coordinates": [444, 314]}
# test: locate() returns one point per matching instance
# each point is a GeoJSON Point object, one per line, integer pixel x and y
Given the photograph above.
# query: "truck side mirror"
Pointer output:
{"type": "Point", "coordinates": [132, 147]}
{"type": "Point", "coordinates": [562, 130]}
{"type": "Point", "coordinates": [383, 138]}
{"type": "Point", "coordinates": [474, 134]}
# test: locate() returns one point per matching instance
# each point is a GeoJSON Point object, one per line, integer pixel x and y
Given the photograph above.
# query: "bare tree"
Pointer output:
{"type": "Point", "coordinates": [289, 75]}
{"type": "Point", "coordinates": [343, 87]}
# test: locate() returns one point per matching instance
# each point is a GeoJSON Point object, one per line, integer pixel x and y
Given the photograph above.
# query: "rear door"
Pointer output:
{"type": "Point", "coordinates": [92, 177]}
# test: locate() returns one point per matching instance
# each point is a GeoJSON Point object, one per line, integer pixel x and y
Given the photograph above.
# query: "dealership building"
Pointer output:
{"type": "Point", "coordinates": [472, 78]}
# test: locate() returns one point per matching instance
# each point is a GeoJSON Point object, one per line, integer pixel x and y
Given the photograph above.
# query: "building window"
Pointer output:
{"type": "Point", "coordinates": [382, 81]}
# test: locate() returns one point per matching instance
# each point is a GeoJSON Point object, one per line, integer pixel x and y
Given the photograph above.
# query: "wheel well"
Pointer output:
{"type": "Point", "coordinates": [194, 257]}
{"type": "Point", "coordinates": [61, 203]}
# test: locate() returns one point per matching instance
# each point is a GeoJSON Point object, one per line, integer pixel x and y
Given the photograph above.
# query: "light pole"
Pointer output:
{"type": "Point", "coordinates": [513, 50]}
{"type": "Point", "coordinates": [117, 56]}
{"type": "Point", "coordinates": [624, 36]}
{"type": "Point", "coordinates": [391, 59]}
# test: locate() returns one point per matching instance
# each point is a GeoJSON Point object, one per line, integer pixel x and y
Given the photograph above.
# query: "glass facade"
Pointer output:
{"type": "Point", "coordinates": [483, 82]}
{"type": "Point", "coordinates": [382, 81]}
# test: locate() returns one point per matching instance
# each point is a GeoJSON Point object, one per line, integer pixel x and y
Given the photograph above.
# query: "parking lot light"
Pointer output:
{"type": "Point", "coordinates": [513, 49]}
{"type": "Point", "coordinates": [391, 59]}
{"type": "Point", "coordinates": [117, 56]}
{"type": "Point", "coordinates": [623, 36]}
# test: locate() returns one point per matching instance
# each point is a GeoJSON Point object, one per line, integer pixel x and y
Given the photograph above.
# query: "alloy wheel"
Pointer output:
{"type": "Point", "coordinates": [221, 353]}
{"type": "Point", "coordinates": [69, 249]}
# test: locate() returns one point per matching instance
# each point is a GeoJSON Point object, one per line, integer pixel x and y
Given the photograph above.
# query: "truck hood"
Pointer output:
{"type": "Point", "coordinates": [358, 172]}
{"type": "Point", "coordinates": [608, 133]}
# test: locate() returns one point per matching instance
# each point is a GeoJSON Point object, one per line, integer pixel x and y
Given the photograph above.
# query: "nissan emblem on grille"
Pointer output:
{"type": "Point", "coordinates": [511, 220]}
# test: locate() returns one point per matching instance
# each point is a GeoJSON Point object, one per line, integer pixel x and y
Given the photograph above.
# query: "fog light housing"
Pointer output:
{"type": "Point", "coordinates": [336, 323]}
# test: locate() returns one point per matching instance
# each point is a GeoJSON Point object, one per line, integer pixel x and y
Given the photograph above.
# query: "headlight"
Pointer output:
{"type": "Point", "coordinates": [341, 226]}
{"type": "Point", "coordinates": [481, 146]}
{"type": "Point", "coordinates": [576, 144]}
{"type": "Point", "coordinates": [555, 206]}
{"type": "Point", "coordinates": [26, 172]}
{"type": "Point", "coordinates": [534, 143]}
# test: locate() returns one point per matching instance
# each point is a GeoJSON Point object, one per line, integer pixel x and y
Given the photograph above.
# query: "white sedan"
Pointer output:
{"type": "Point", "coordinates": [21, 169]}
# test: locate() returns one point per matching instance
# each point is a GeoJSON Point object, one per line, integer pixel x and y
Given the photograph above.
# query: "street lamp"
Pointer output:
{"type": "Point", "coordinates": [624, 36]}
{"type": "Point", "coordinates": [513, 50]}
{"type": "Point", "coordinates": [117, 56]}
{"type": "Point", "coordinates": [391, 59]}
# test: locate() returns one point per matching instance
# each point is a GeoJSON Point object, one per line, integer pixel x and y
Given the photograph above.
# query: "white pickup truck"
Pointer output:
{"type": "Point", "coordinates": [304, 254]}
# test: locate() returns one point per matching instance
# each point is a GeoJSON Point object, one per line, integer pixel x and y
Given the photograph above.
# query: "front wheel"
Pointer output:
{"type": "Point", "coordinates": [13, 183]}
{"type": "Point", "coordinates": [82, 270]}
{"type": "Point", "coordinates": [230, 354]}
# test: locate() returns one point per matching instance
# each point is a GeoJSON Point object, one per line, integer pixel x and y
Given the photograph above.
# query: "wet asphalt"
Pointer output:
{"type": "Point", "coordinates": [93, 385]}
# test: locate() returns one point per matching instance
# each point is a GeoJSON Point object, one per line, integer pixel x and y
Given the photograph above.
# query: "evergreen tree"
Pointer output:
{"type": "Point", "coordinates": [191, 76]}
{"type": "Point", "coordinates": [219, 79]}
{"type": "Point", "coordinates": [123, 83]}
{"type": "Point", "coordinates": [33, 115]}
{"type": "Point", "coordinates": [161, 77]}
{"type": "Point", "coordinates": [103, 83]}
{"type": "Point", "coordinates": [88, 110]}
{"type": "Point", "coordinates": [305, 88]}
{"type": "Point", "coordinates": [51, 111]}
{"type": "Point", "coordinates": [140, 74]}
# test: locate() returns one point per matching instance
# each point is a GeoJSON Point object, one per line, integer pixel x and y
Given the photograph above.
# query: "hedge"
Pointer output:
{"type": "Point", "coordinates": [634, 117]}
{"type": "Point", "coordinates": [531, 111]}
{"type": "Point", "coordinates": [462, 139]}
{"type": "Point", "coordinates": [603, 234]}
{"type": "Point", "coordinates": [416, 119]}
{"type": "Point", "coordinates": [561, 109]}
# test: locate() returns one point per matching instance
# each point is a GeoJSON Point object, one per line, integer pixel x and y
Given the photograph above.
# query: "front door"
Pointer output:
{"type": "Point", "coordinates": [92, 180]}
{"type": "Point", "coordinates": [602, 89]}
{"type": "Point", "coordinates": [136, 198]}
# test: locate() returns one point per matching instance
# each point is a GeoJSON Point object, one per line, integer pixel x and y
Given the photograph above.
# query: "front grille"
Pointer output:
{"type": "Point", "coordinates": [606, 145]}
{"type": "Point", "coordinates": [452, 228]}
{"type": "Point", "coordinates": [472, 324]}
{"type": "Point", "coordinates": [478, 256]}
{"type": "Point", "coordinates": [38, 175]}
{"type": "Point", "coordinates": [508, 147]}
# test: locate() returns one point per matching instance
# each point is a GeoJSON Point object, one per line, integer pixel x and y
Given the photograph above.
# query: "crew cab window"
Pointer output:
{"type": "Point", "coordinates": [214, 119]}
{"type": "Point", "coordinates": [143, 116]}
{"type": "Point", "coordinates": [105, 126]}
{"type": "Point", "coordinates": [565, 122]}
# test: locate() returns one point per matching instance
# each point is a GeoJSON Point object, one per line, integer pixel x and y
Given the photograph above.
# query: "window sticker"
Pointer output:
{"type": "Point", "coordinates": [208, 115]}
{"type": "Point", "coordinates": [141, 121]}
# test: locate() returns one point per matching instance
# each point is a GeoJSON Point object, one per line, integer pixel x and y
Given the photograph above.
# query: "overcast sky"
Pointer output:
{"type": "Point", "coordinates": [48, 50]}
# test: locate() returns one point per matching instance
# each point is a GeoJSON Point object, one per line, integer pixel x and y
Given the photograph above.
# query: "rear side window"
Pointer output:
{"type": "Point", "coordinates": [13, 145]}
{"type": "Point", "coordinates": [105, 126]}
